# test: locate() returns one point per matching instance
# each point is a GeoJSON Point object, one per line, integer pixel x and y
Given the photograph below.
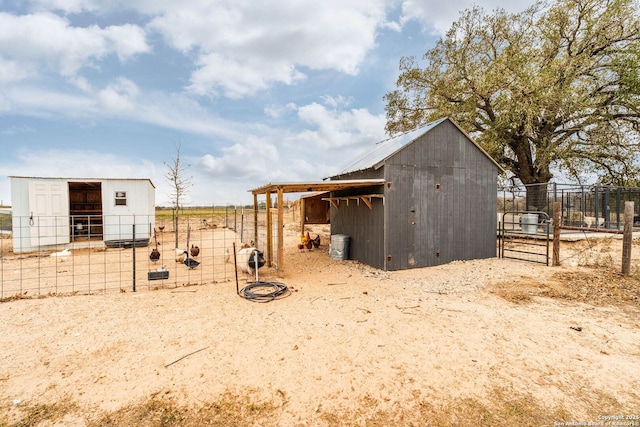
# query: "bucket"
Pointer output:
{"type": "Point", "coordinates": [339, 247]}
{"type": "Point", "coordinates": [530, 223]}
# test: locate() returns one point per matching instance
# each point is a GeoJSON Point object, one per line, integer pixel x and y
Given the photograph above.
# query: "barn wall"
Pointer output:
{"type": "Point", "coordinates": [364, 227]}
{"type": "Point", "coordinates": [441, 205]}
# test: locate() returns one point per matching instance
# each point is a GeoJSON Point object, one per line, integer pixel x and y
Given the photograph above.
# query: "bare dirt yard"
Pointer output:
{"type": "Point", "coordinates": [488, 342]}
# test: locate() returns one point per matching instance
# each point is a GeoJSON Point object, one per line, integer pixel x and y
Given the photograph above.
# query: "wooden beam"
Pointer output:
{"type": "Point", "coordinates": [302, 218]}
{"type": "Point", "coordinates": [280, 261]}
{"type": "Point", "coordinates": [367, 201]}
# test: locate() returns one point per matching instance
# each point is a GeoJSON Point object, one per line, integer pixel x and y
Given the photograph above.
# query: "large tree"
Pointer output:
{"type": "Point", "coordinates": [556, 87]}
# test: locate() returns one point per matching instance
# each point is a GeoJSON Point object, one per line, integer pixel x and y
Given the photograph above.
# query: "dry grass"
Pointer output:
{"type": "Point", "coordinates": [600, 287]}
{"type": "Point", "coordinates": [501, 407]}
{"type": "Point", "coordinates": [37, 414]}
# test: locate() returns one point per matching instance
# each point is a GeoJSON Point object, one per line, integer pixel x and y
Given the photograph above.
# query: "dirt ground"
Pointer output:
{"type": "Point", "coordinates": [493, 340]}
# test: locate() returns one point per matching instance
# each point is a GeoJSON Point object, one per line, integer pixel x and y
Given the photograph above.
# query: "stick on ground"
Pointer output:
{"type": "Point", "coordinates": [185, 356]}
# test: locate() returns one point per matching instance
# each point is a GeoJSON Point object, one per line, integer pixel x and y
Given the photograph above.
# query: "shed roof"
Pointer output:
{"type": "Point", "coordinates": [75, 179]}
{"type": "Point", "coordinates": [382, 150]}
{"type": "Point", "coordinates": [305, 187]}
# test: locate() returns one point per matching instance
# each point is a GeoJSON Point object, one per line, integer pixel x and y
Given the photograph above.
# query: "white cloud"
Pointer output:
{"type": "Point", "coordinates": [119, 96]}
{"type": "Point", "coordinates": [12, 71]}
{"type": "Point", "coordinates": [243, 48]}
{"type": "Point", "coordinates": [236, 78]}
{"type": "Point", "coordinates": [276, 111]}
{"type": "Point", "coordinates": [12, 130]}
{"type": "Point", "coordinates": [333, 128]}
{"type": "Point", "coordinates": [437, 16]}
{"type": "Point", "coordinates": [250, 159]}
{"type": "Point", "coordinates": [57, 162]}
{"type": "Point", "coordinates": [47, 40]}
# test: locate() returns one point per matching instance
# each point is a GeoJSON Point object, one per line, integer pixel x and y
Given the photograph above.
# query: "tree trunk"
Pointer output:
{"type": "Point", "coordinates": [537, 197]}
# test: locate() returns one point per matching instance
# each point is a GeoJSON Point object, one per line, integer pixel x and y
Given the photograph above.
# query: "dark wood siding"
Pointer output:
{"type": "Point", "coordinates": [441, 205]}
{"type": "Point", "coordinates": [364, 227]}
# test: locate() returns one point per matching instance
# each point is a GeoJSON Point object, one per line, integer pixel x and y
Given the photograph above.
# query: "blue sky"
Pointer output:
{"type": "Point", "coordinates": [253, 92]}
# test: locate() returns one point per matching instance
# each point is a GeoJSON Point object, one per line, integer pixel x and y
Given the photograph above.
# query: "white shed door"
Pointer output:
{"type": "Point", "coordinates": [49, 209]}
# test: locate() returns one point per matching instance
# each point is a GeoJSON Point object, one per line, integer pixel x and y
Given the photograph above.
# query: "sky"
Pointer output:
{"type": "Point", "coordinates": [251, 92]}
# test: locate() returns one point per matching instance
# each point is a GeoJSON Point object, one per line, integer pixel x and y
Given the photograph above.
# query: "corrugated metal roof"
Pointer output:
{"type": "Point", "coordinates": [383, 149]}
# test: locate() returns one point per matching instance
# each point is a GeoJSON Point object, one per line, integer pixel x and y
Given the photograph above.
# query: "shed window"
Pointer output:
{"type": "Point", "coordinates": [121, 198]}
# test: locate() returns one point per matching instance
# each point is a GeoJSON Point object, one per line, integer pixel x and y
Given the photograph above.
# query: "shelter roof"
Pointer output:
{"type": "Point", "coordinates": [305, 187]}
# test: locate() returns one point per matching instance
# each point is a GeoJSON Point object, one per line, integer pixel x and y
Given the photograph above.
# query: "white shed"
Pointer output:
{"type": "Point", "coordinates": [51, 212]}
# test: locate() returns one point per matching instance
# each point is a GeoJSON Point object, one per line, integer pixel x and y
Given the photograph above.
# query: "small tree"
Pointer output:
{"type": "Point", "coordinates": [180, 183]}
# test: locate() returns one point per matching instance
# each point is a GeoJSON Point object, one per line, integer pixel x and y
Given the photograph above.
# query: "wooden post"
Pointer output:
{"type": "Point", "coordinates": [557, 209]}
{"type": "Point", "coordinates": [255, 220]}
{"type": "Point", "coordinates": [627, 238]}
{"type": "Point", "coordinates": [269, 232]}
{"type": "Point", "coordinates": [280, 270]}
{"type": "Point", "coordinates": [302, 210]}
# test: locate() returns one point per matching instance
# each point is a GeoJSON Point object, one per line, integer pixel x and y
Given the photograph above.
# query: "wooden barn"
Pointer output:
{"type": "Point", "coordinates": [437, 204]}
{"type": "Point", "coordinates": [50, 212]}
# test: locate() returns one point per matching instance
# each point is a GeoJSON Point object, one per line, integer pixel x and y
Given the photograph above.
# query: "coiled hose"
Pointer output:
{"type": "Point", "coordinates": [264, 291]}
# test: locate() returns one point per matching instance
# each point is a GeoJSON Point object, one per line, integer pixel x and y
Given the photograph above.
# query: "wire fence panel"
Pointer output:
{"type": "Point", "coordinates": [114, 253]}
{"type": "Point", "coordinates": [583, 206]}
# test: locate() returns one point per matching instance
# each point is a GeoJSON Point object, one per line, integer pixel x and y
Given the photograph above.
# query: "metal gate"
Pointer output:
{"type": "Point", "coordinates": [524, 235]}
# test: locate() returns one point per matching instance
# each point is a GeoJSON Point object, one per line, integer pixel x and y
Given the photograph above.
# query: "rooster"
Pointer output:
{"type": "Point", "coordinates": [316, 242]}
{"type": "Point", "coordinates": [306, 241]}
{"type": "Point", "coordinates": [195, 250]}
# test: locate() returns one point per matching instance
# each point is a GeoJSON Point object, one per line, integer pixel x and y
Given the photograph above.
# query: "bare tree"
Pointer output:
{"type": "Point", "coordinates": [180, 183]}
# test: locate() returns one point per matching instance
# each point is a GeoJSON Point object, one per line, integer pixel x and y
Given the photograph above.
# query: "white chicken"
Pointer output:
{"type": "Point", "coordinates": [62, 255]}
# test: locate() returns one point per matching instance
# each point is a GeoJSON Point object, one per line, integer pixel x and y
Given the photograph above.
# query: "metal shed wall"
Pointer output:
{"type": "Point", "coordinates": [441, 205]}
{"type": "Point", "coordinates": [119, 219]}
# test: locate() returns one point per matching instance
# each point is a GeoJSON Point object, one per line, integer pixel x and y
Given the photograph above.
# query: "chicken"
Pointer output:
{"type": "Point", "coordinates": [195, 250]}
{"type": "Point", "coordinates": [181, 255]}
{"type": "Point", "coordinates": [305, 241]}
{"type": "Point", "coordinates": [316, 242]}
{"type": "Point", "coordinates": [154, 255]}
{"type": "Point", "coordinates": [191, 263]}
{"type": "Point", "coordinates": [62, 255]}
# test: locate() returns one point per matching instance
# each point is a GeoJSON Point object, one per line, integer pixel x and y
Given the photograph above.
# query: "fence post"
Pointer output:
{"type": "Point", "coordinates": [627, 238]}
{"type": "Point", "coordinates": [134, 257]}
{"type": "Point", "coordinates": [557, 206]}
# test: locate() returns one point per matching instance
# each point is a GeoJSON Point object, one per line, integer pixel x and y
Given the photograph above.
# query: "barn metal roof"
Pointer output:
{"type": "Point", "coordinates": [383, 149]}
